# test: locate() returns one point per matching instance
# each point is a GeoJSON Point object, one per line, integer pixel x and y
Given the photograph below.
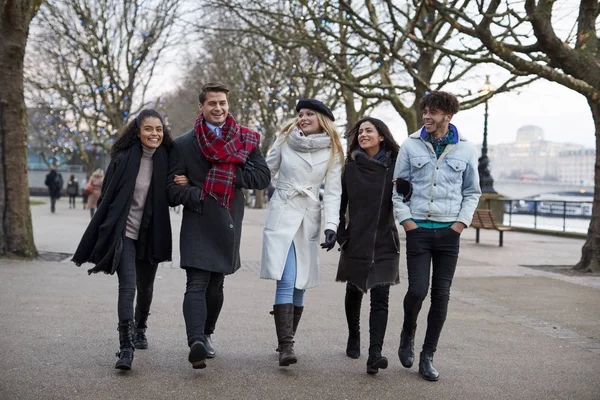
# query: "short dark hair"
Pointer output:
{"type": "Point", "coordinates": [212, 87]}
{"type": "Point", "coordinates": [442, 101]}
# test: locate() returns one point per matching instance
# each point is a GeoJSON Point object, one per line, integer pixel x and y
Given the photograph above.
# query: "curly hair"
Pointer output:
{"type": "Point", "coordinates": [442, 101]}
{"type": "Point", "coordinates": [131, 133]}
{"type": "Point", "coordinates": [389, 144]}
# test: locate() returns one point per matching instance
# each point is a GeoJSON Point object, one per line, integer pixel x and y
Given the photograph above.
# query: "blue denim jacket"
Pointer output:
{"type": "Point", "coordinates": [444, 189]}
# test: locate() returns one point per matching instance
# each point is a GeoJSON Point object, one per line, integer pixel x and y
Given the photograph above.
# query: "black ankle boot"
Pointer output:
{"type": "Point", "coordinates": [406, 351]}
{"type": "Point", "coordinates": [126, 349]}
{"type": "Point", "coordinates": [197, 355]}
{"type": "Point", "coordinates": [140, 341]}
{"type": "Point", "coordinates": [210, 350]}
{"type": "Point", "coordinates": [284, 325]}
{"type": "Point", "coordinates": [376, 361]}
{"type": "Point", "coordinates": [426, 368]}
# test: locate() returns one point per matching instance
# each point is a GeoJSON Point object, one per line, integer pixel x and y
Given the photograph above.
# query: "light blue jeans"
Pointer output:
{"type": "Point", "coordinates": [286, 292]}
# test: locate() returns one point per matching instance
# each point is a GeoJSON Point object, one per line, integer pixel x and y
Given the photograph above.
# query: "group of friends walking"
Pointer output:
{"type": "Point", "coordinates": [429, 186]}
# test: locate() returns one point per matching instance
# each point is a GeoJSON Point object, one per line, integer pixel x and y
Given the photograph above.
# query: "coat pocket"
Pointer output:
{"type": "Point", "coordinates": [456, 165]}
{"type": "Point", "coordinates": [273, 219]}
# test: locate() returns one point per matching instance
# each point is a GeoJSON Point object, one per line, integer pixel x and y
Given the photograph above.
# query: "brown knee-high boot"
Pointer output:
{"type": "Point", "coordinates": [284, 325]}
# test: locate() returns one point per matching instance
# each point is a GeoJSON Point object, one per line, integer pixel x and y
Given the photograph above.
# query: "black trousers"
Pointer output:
{"type": "Point", "coordinates": [202, 303]}
{"type": "Point", "coordinates": [53, 203]}
{"type": "Point", "coordinates": [378, 316]}
{"type": "Point", "coordinates": [72, 199]}
{"type": "Point", "coordinates": [424, 248]}
{"type": "Point", "coordinates": [134, 273]}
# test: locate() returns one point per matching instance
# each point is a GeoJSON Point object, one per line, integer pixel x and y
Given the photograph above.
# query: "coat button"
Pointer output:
{"type": "Point", "coordinates": [230, 226]}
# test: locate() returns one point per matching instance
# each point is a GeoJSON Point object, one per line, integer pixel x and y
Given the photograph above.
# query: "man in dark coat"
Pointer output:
{"type": "Point", "coordinates": [219, 158]}
{"type": "Point", "coordinates": [54, 181]}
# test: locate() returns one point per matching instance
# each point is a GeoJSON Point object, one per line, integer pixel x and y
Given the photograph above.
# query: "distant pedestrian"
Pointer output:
{"type": "Point", "coordinates": [306, 152]}
{"type": "Point", "coordinates": [441, 167]}
{"type": "Point", "coordinates": [130, 233]}
{"type": "Point", "coordinates": [85, 192]}
{"type": "Point", "coordinates": [54, 182]}
{"type": "Point", "coordinates": [72, 190]}
{"type": "Point", "coordinates": [95, 183]}
{"type": "Point", "coordinates": [370, 249]}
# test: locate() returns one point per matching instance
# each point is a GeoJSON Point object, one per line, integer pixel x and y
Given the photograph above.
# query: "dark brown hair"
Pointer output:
{"type": "Point", "coordinates": [132, 131]}
{"type": "Point", "coordinates": [389, 144]}
{"type": "Point", "coordinates": [212, 87]}
{"type": "Point", "coordinates": [442, 101]}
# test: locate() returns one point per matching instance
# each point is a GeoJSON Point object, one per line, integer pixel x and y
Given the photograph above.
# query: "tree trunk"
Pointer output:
{"type": "Point", "coordinates": [16, 233]}
{"type": "Point", "coordinates": [590, 253]}
{"type": "Point", "coordinates": [259, 198]}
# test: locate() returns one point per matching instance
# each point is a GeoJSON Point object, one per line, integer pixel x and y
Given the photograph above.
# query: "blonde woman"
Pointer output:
{"type": "Point", "coordinates": [307, 152]}
{"type": "Point", "coordinates": [96, 184]}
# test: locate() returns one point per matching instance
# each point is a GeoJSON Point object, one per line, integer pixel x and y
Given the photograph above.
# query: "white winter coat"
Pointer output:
{"type": "Point", "coordinates": [294, 212]}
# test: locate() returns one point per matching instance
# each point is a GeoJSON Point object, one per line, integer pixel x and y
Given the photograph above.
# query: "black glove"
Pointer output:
{"type": "Point", "coordinates": [404, 188]}
{"type": "Point", "coordinates": [330, 238]}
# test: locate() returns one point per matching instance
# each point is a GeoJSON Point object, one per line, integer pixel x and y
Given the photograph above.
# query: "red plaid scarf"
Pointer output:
{"type": "Point", "coordinates": [233, 147]}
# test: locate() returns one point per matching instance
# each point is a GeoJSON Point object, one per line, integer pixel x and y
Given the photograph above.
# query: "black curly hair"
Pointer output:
{"type": "Point", "coordinates": [388, 140]}
{"type": "Point", "coordinates": [442, 101]}
{"type": "Point", "coordinates": [130, 134]}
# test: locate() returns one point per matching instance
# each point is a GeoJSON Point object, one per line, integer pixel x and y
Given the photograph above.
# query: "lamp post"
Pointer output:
{"type": "Point", "coordinates": [485, 178]}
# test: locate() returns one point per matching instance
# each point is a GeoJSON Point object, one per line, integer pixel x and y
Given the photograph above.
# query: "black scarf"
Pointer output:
{"type": "Point", "coordinates": [102, 241]}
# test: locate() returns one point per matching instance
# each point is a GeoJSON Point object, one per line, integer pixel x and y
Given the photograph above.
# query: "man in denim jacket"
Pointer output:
{"type": "Point", "coordinates": [441, 167]}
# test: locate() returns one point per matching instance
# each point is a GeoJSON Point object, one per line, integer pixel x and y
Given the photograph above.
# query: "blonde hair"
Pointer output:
{"type": "Point", "coordinates": [328, 127]}
{"type": "Point", "coordinates": [98, 173]}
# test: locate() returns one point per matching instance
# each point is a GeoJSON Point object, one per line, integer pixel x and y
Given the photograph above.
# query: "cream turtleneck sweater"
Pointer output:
{"type": "Point", "coordinates": [140, 194]}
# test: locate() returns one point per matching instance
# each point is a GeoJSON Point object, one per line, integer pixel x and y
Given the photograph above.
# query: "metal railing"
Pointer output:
{"type": "Point", "coordinates": [549, 212]}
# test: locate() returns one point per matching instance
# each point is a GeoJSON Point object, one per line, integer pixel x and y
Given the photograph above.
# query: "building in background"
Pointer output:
{"type": "Point", "coordinates": [531, 157]}
{"type": "Point", "coordinates": [577, 166]}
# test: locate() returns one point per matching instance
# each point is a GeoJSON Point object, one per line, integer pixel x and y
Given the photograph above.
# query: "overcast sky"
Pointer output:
{"type": "Point", "coordinates": [563, 114]}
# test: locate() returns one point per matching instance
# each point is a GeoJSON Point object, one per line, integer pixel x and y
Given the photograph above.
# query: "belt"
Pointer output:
{"type": "Point", "coordinates": [292, 190]}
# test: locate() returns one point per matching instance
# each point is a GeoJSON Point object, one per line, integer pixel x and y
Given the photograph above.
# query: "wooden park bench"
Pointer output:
{"type": "Point", "coordinates": [484, 219]}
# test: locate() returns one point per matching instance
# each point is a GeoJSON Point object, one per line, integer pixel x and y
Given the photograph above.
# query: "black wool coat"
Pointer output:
{"type": "Point", "coordinates": [210, 234]}
{"type": "Point", "coordinates": [370, 249]}
{"type": "Point", "coordinates": [102, 242]}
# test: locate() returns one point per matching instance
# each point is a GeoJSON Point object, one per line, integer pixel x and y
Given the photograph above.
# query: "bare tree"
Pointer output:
{"type": "Point", "coordinates": [99, 59]}
{"type": "Point", "coordinates": [16, 233]}
{"type": "Point", "coordinates": [524, 38]}
{"type": "Point", "coordinates": [367, 48]}
{"type": "Point", "coordinates": [265, 84]}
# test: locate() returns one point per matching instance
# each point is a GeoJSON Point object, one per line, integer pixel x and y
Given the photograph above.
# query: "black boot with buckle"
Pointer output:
{"type": "Point", "coordinates": [140, 341]}
{"type": "Point", "coordinates": [126, 349]}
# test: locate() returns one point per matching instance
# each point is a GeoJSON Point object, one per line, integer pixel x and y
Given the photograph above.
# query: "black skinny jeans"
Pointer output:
{"type": "Point", "coordinates": [134, 273]}
{"type": "Point", "coordinates": [378, 317]}
{"type": "Point", "coordinates": [202, 302]}
{"type": "Point", "coordinates": [425, 247]}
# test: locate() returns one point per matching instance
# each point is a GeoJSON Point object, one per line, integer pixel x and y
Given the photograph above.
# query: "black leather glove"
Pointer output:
{"type": "Point", "coordinates": [330, 238]}
{"type": "Point", "coordinates": [404, 188]}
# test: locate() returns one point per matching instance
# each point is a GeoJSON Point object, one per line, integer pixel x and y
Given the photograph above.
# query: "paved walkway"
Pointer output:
{"type": "Point", "coordinates": [513, 332]}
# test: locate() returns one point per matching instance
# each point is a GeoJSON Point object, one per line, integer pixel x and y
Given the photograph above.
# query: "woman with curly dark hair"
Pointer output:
{"type": "Point", "coordinates": [130, 233]}
{"type": "Point", "coordinates": [370, 251]}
